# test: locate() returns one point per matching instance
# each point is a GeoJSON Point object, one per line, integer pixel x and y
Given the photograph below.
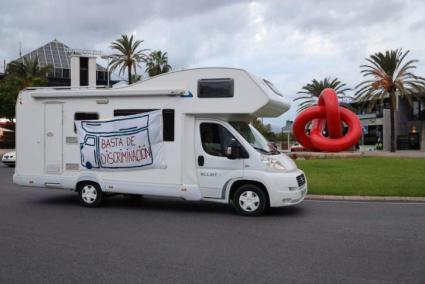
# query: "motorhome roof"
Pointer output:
{"type": "Point", "coordinates": [250, 94]}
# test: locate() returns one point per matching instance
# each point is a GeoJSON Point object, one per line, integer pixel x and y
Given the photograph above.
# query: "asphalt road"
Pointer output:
{"type": "Point", "coordinates": [45, 236]}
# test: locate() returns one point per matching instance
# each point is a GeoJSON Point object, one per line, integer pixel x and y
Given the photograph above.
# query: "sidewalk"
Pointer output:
{"type": "Point", "coordinates": [400, 153]}
{"type": "Point", "coordinates": [365, 198]}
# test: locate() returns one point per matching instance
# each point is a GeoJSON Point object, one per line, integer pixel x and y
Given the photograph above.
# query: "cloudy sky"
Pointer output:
{"type": "Point", "coordinates": [287, 42]}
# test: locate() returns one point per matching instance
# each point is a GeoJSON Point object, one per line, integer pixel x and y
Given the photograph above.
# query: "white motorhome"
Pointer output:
{"type": "Point", "coordinates": [211, 152]}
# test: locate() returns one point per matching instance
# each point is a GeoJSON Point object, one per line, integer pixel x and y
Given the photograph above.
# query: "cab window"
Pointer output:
{"type": "Point", "coordinates": [215, 139]}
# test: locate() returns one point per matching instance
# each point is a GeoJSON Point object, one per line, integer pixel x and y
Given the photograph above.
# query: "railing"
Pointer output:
{"type": "Point", "coordinates": [367, 115]}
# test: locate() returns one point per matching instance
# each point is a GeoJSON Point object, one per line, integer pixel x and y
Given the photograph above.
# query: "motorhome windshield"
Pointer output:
{"type": "Point", "coordinates": [254, 137]}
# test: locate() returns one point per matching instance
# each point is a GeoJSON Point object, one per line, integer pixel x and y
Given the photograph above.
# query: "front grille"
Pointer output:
{"type": "Point", "coordinates": [301, 179]}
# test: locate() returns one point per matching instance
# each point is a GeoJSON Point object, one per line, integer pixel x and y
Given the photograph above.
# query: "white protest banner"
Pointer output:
{"type": "Point", "coordinates": [132, 141]}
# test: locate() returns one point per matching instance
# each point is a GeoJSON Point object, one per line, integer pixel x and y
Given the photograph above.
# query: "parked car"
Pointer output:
{"type": "Point", "coordinates": [298, 148]}
{"type": "Point", "coordinates": [9, 159]}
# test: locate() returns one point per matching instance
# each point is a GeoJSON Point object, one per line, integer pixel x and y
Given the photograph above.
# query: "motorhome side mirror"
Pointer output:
{"type": "Point", "coordinates": [228, 151]}
{"type": "Point", "coordinates": [233, 151]}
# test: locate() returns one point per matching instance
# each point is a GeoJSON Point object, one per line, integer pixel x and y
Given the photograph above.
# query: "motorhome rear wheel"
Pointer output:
{"type": "Point", "coordinates": [90, 194]}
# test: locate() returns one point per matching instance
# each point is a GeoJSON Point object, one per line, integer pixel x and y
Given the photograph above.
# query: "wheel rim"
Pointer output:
{"type": "Point", "coordinates": [249, 201]}
{"type": "Point", "coordinates": [89, 194]}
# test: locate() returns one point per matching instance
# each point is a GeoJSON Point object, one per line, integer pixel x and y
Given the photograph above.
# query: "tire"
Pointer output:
{"type": "Point", "coordinates": [90, 194]}
{"type": "Point", "coordinates": [250, 200]}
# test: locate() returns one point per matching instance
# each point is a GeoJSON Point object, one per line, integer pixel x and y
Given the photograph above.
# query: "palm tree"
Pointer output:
{"type": "Point", "coordinates": [157, 63]}
{"type": "Point", "coordinates": [312, 91]}
{"type": "Point", "coordinates": [135, 78]}
{"type": "Point", "coordinates": [128, 55]}
{"type": "Point", "coordinates": [28, 72]}
{"type": "Point", "coordinates": [388, 76]}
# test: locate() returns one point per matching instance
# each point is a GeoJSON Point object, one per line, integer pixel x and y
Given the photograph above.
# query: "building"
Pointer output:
{"type": "Point", "coordinates": [409, 124]}
{"type": "Point", "coordinates": [59, 56]}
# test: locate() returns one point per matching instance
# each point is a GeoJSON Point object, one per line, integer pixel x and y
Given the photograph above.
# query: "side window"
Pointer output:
{"type": "Point", "coordinates": [216, 138]}
{"type": "Point", "coordinates": [168, 124]}
{"type": "Point", "coordinates": [84, 116]}
{"type": "Point", "coordinates": [215, 88]}
{"type": "Point", "coordinates": [167, 119]}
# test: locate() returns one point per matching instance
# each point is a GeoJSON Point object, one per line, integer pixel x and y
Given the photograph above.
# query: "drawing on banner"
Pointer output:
{"type": "Point", "coordinates": [132, 141]}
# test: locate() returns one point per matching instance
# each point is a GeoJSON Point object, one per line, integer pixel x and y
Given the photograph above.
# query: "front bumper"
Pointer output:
{"type": "Point", "coordinates": [285, 190]}
{"type": "Point", "coordinates": [289, 198]}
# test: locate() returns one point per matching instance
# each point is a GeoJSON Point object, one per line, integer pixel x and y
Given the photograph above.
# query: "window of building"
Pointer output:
{"type": "Point", "coordinates": [215, 88]}
{"type": "Point", "coordinates": [101, 76]}
{"type": "Point", "coordinates": [66, 73]}
{"type": "Point", "coordinates": [372, 134]}
{"type": "Point", "coordinates": [84, 62]}
{"type": "Point", "coordinates": [418, 110]}
{"type": "Point", "coordinates": [167, 120]}
{"type": "Point", "coordinates": [387, 103]}
{"type": "Point", "coordinates": [58, 73]}
{"type": "Point", "coordinates": [84, 116]}
{"type": "Point", "coordinates": [216, 138]}
{"type": "Point", "coordinates": [84, 71]}
{"type": "Point", "coordinates": [415, 110]}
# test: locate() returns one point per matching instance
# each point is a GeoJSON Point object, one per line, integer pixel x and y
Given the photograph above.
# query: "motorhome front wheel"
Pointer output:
{"type": "Point", "coordinates": [90, 194]}
{"type": "Point", "coordinates": [250, 200]}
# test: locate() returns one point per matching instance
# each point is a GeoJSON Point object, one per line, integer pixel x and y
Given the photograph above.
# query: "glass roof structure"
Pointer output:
{"type": "Point", "coordinates": [54, 53]}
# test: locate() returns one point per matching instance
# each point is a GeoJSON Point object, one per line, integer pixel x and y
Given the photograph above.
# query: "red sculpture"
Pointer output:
{"type": "Point", "coordinates": [327, 114]}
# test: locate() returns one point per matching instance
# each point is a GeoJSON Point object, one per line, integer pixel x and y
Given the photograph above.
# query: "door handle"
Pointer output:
{"type": "Point", "coordinates": [201, 160]}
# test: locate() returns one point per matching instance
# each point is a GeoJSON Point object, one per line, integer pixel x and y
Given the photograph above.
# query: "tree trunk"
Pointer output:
{"type": "Point", "coordinates": [129, 74]}
{"type": "Point", "coordinates": [392, 129]}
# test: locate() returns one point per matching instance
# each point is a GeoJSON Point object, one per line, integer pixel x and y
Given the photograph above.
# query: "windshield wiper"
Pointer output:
{"type": "Point", "coordinates": [261, 149]}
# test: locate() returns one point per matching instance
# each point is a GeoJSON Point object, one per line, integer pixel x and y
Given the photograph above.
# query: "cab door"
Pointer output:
{"type": "Point", "coordinates": [214, 168]}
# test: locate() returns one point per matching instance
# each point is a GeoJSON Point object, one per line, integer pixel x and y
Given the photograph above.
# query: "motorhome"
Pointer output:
{"type": "Point", "coordinates": [209, 150]}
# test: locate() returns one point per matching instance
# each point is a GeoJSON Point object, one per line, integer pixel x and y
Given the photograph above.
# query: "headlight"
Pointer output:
{"type": "Point", "coordinates": [272, 163]}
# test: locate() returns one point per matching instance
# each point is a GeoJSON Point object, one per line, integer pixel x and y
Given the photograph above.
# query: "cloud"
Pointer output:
{"type": "Point", "coordinates": [286, 42]}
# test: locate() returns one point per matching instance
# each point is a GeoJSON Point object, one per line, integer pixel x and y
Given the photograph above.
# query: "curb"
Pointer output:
{"type": "Point", "coordinates": [365, 198]}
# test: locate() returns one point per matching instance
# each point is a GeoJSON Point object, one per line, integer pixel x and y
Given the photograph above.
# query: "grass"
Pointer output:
{"type": "Point", "coordinates": [373, 176]}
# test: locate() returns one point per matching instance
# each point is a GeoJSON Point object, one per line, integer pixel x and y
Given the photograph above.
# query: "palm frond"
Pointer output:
{"type": "Point", "coordinates": [311, 91]}
{"type": "Point", "coordinates": [128, 55]}
{"type": "Point", "coordinates": [387, 73]}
